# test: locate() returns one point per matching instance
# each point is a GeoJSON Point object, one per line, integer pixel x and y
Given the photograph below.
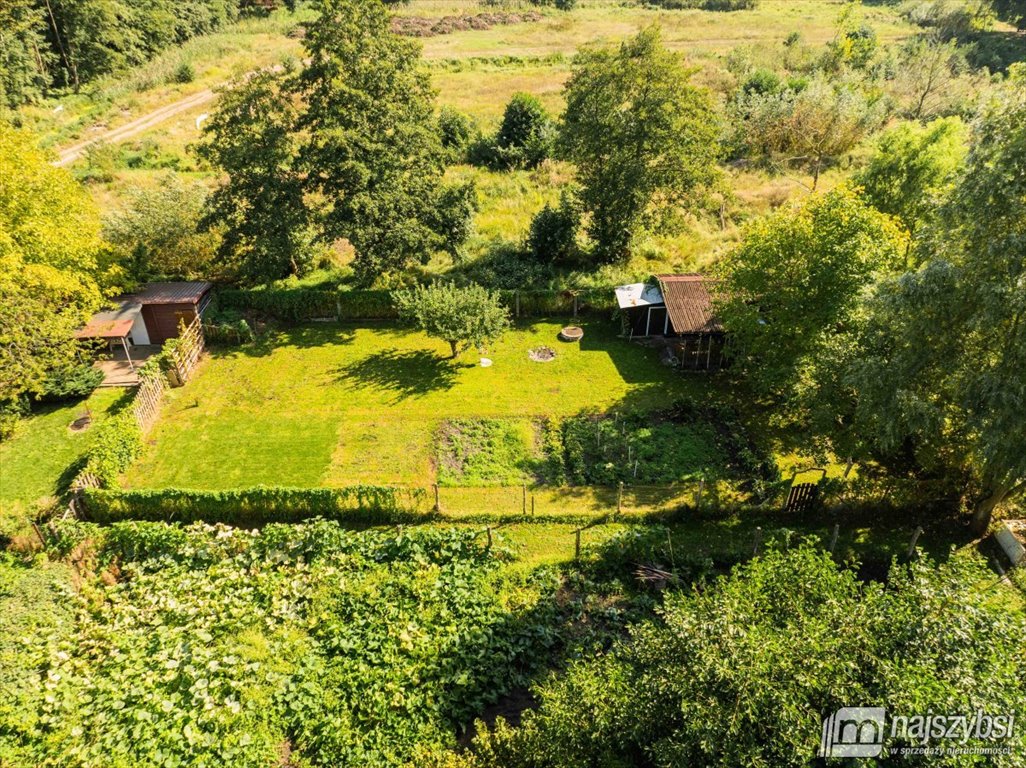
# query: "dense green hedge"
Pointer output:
{"type": "Point", "coordinates": [250, 507]}
{"type": "Point", "coordinates": [300, 304]}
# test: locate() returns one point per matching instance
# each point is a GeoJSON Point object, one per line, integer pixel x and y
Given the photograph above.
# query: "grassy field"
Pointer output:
{"type": "Point", "coordinates": [475, 71]}
{"type": "Point", "coordinates": [330, 405]}
{"type": "Point", "coordinates": [35, 462]}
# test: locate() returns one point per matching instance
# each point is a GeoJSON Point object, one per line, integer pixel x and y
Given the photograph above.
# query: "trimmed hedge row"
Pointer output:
{"type": "Point", "coordinates": [295, 305]}
{"type": "Point", "coordinates": [298, 304]}
{"type": "Point", "coordinates": [250, 507]}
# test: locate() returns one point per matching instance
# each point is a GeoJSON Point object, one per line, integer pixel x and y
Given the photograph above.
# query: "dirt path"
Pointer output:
{"type": "Point", "coordinates": [135, 127]}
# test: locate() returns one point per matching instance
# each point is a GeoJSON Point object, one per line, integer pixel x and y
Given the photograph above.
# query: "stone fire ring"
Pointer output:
{"type": "Point", "coordinates": [572, 333]}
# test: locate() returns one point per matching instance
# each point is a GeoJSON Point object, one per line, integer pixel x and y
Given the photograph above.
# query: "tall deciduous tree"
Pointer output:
{"type": "Point", "coordinates": [461, 317]}
{"type": "Point", "coordinates": [927, 76]}
{"type": "Point", "coordinates": [912, 168]}
{"type": "Point", "coordinates": [638, 133]}
{"type": "Point", "coordinates": [346, 148]}
{"type": "Point", "coordinates": [156, 232]}
{"type": "Point", "coordinates": [796, 280]}
{"type": "Point", "coordinates": [373, 153]}
{"type": "Point", "coordinates": [52, 266]}
{"type": "Point", "coordinates": [945, 349]}
{"type": "Point", "coordinates": [260, 205]}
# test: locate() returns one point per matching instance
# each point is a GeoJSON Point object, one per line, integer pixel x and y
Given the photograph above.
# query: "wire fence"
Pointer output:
{"type": "Point", "coordinates": [561, 501]}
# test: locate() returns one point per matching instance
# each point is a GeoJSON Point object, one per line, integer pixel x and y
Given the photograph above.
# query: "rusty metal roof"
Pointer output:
{"type": "Point", "coordinates": [688, 303]}
{"type": "Point", "coordinates": [172, 293]}
{"type": "Point", "coordinates": [113, 324]}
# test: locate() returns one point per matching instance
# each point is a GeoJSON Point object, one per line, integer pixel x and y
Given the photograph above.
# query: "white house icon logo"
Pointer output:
{"type": "Point", "coordinates": [853, 732]}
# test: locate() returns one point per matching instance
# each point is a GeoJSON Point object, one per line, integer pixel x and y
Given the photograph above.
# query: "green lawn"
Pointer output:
{"type": "Point", "coordinates": [35, 462]}
{"type": "Point", "coordinates": [336, 405]}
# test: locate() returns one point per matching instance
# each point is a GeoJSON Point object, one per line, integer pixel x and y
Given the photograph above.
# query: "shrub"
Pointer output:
{"type": "Point", "coordinates": [294, 305]}
{"type": "Point", "coordinates": [456, 130]}
{"type": "Point", "coordinates": [70, 383]}
{"type": "Point", "coordinates": [227, 327]}
{"type": "Point", "coordinates": [116, 444]}
{"type": "Point", "coordinates": [11, 413]}
{"type": "Point", "coordinates": [742, 671]}
{"type": "Point", "coordinates": [553, 235]}
{"type": "Point", "coordinates": [525, 137]}
{"type": "Point", "coordinates": [184, 73]}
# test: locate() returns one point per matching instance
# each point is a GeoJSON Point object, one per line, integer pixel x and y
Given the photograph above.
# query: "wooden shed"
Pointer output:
{"type": "Point", "coordinates": [676, 312]}
{"type": "Point", "coordinates": [138, 323]}
{"type": "Point", "coordinates": [166, 305]}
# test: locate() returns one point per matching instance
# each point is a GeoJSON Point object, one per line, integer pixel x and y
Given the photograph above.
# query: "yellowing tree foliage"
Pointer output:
{"type": "Point", "coordinates": [52, 274]}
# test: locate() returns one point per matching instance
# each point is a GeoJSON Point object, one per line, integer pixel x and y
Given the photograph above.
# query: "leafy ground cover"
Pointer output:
{"type": "Point", "coordinates": [308, 644]}
{"type": "Point", "coordinates": [330, 405]}
{"type": "Point", "coordinates": [35, 462]}
{"type": "Point", "coordinates": [311, 644]}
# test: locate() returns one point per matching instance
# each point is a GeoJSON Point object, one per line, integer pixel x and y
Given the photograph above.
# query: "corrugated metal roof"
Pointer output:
{"type": "Point", "coordinates": [172, 293]}
{"type": "Point", "coordinates": [688, 303]}
{"type": "Point", "coordinates": [113, 324]}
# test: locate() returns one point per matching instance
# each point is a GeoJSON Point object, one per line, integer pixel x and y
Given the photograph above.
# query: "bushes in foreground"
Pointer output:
{"type": "Point", "coordinates": [219, 646]}
{"type": "Point", "coordinates": [743, 672]}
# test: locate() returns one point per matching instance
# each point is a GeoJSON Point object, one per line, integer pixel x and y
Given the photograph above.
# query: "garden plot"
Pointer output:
{"type": "Point", "coordinates": [331, 405]}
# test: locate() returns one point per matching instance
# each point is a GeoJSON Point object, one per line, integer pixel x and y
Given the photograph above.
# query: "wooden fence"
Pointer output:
{"type": "Point", "coordinates": [185, 351]}
{"type": "Point", "coordinates": [147, 400]}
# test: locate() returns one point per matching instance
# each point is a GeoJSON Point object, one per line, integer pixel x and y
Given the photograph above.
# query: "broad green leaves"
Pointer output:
{"type": "Point", "coordinates": [216, 646]}
{"type": "Point", "coordinates": [796, 281]}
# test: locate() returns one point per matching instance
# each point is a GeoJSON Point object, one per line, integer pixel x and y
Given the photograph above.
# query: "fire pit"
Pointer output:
{"type": "Point", "coordinates": [542, 354]}
{"type": "Point", "coordinates": [572, 333]}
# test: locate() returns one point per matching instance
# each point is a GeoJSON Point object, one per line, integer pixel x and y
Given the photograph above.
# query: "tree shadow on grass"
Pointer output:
{"type": "Point", "coordinates": [405, 373]}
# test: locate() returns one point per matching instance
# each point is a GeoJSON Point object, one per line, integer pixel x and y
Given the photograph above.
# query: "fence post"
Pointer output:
{"type": "Point", "coordinates": [489, 531]}
{"type": "Point", "coordinates": [758, 541]}
{"type": "Point", "coordinates": [532, 505]}
{"type": "Point", "coordinates": [833, 537]}
{"type": "Point", "coordinates": [39, 534]}
{"type": "Point", "coordinates": [575, 305]}
{"type": "Point", "coordinates": [699, 492]}
{"type": "Point", "coordinates": [847, 469]}
{"type": "Point", "coordinates": [338, 309]}
{"type": "Point", "coordinates": [523, 500]}
{"type": "Point", "coordinates": [577, 544]}
{"type": "Point", "coordinates": [619, 498]}
{"type": "Point", "coordinates": [438, 505]}
{"type": "Point", "coordinates": [915, 539]}
{"type": "Point", "coordinates": [516, 299]}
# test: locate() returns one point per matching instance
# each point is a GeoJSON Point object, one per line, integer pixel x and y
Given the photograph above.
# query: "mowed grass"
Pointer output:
{"type": "Point", "coordinates": [336, 405]}
{"type": "Point", "coordinates": [35, 462]}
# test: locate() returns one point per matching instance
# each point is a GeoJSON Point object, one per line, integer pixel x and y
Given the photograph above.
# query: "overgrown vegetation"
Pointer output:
{"type": "Point", "coordinates": [486, 452]}
{"type": "Point", "coordinates": [739, 672]}
{"type": "Point", "coordinates": [203, 644]}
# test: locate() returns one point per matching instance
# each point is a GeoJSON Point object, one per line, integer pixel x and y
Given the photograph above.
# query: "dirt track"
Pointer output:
{"type": "Point", "coordinates": [135, 127]}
